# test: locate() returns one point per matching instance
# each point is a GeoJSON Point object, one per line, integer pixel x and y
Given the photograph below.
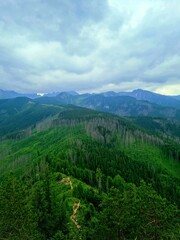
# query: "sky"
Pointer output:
{"type": "Point", "coordinates": [90, 45]}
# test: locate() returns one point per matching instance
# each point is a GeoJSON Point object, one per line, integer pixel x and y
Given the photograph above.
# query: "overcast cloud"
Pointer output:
{"type": "Point", "coordinates": [90, 45]}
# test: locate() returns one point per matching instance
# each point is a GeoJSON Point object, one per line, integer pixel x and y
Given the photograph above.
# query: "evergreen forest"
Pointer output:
{"type": "Point", "coordinates": [72, 173]}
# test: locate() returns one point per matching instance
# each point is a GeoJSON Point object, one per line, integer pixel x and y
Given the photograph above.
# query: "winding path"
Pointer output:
{"type": "Point", "coordinates": [73, 216]}
{"type": "Point", "coordinates": [76, 206]}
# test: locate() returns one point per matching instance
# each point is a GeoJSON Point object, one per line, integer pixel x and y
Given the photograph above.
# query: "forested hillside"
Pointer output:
{"type": "Point", "coordinates": [74, 173]}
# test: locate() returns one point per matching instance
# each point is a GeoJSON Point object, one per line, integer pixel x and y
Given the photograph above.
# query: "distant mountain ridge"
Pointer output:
{"type": "Point", "coordinates": [139, 94]}
{"type": "Point", "coordinates": [12, 94]}
{"type": "Point", "coordinates": [136, 103]}
{"type": "Point", "coordinates": [119, 105]}
{"type": "Point", "coordinates": [6, 94]}
{"type": "Point", "coordinates": [144, 95]}
{"type": "Point", "coordinates": [163, 100]}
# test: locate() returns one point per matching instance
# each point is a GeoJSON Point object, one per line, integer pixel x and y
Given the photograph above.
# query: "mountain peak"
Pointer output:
{"type": "Point", "coordinates": [141, 91]}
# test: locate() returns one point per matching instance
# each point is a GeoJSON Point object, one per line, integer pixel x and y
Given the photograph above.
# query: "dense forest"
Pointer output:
{"type": "Point", "coordinates": [68, 172]}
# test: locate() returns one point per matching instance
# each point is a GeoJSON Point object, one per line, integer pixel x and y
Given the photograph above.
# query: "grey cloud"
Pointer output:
{"type": "Point", "coordinates": [51, 19]}
{"type": "Point", "coordinates": [95, 45]}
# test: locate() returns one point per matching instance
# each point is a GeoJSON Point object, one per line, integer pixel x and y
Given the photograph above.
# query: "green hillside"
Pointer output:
{"type": "Point", "coordinates": [170, 127]}
{"type": "Point", "coordinates": [74, 173]}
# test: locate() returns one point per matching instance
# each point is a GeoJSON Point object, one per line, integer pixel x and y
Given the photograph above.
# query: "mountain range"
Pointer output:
{"type": "Point", "coordinates": [119, 105]}
{"type": "Point", "coordinates": [139, 94]}
{"type": "Point", "coordinates": [129, 104]}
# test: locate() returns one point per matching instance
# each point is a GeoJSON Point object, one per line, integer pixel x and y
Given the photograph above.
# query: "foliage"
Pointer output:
{"type": "Point", "coordinates": [82, 174]}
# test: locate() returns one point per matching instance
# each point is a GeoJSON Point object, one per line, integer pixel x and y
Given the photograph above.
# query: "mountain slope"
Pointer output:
{"type": "Point", "coordinates": [84, 174]}
{"type": "Point", "coordinates": [139, 94]}
{"type": "Point", "coordinates": [177, 97]}
{"type": "Point", "coordinates": [8, 94]}
{"type": "Point", "coordinates": [20, 113]}
{"type": "Point", "coordinates": [168, 127]}
{"type": "Point", "coordinates": [119, 105]}
{"type": "Point", "coordinates": [13, 94]}
{"type": "Point", "coordinates": [99, 127]}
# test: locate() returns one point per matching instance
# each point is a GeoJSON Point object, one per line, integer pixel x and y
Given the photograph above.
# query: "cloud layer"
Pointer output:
{"type": "Point", "coordinates": [94, 45]}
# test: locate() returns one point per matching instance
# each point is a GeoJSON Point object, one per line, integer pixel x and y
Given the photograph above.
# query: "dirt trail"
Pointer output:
{"type": "Point", "coordinates": [76, 206]}
{"type": "Point", "coordinates": [73, 216]}
{"type": "Point", "coordinates": [67, 181]}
